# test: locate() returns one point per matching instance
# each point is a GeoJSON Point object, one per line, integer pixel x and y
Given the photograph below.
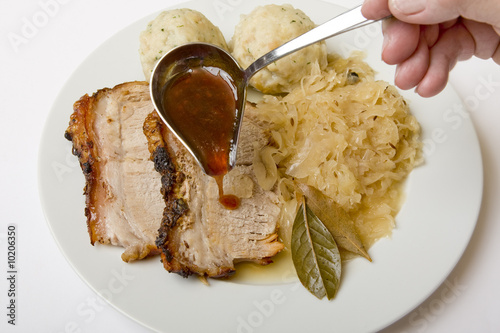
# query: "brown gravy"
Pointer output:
{"type": "Point", "coordinates": [229, 201]}
{"type": "Point", "coordinates": [202, 105]}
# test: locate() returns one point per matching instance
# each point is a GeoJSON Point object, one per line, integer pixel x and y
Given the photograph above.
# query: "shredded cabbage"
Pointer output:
{"type": "Point", "coordinates": [346, 134]}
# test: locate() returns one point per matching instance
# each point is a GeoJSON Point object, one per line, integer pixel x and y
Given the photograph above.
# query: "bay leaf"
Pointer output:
{"type": "Point", "coordinates": [335, 219]}
{"type": "Point", "coordinates": [315, 254]}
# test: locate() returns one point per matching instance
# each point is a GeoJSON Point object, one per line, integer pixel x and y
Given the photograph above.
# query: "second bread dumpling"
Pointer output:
{"type": "Point", "coordinates": [266, 28]}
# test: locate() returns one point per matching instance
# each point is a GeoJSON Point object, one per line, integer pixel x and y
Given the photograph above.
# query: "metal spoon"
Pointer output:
{"type": "Point", "coordinates": [180, 59]}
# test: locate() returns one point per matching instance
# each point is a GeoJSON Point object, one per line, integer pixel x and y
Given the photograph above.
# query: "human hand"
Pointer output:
{"type": "Point", "coordinates": [427, 37]}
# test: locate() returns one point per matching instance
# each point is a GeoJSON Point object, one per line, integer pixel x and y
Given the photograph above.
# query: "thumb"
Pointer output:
{"type": "Point", "coordinates": [439, 11]}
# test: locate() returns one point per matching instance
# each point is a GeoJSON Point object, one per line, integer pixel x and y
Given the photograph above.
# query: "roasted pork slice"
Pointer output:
{"type": "Point", "coordinates": [167, 206]}
{"type": "Point", "coordinates": [197, 234]}
{"type": "Point", "coordinates": [124, 206]}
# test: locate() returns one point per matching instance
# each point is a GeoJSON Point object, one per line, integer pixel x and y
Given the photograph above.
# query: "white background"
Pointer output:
{"type": "Point", "coordinates": [50, 294]}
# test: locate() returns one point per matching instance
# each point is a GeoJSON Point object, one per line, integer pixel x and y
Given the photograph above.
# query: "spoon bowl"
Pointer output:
{"type": "Point", "coordinates": [181, 60]}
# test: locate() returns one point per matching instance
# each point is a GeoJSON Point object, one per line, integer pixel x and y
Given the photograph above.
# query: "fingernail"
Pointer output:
{"type": "Point", "coordinates": [385, 42]}
{"type": "Point", "coordinates": [396, 73]}
{"type": "Point", "coordinates": [409, 7]}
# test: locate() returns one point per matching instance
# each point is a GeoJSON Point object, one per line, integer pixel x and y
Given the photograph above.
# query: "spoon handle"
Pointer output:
{"type": "Point", "coordinates": [344, 22]}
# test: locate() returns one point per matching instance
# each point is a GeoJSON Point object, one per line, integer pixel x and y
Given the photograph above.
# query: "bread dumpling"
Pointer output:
{"type": "Point", "coordinates": [173, 28]}
{"type": "Point", "coordinates": [266, 28]}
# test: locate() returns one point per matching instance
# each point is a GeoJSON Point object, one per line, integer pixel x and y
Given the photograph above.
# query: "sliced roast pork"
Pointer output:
{"type": "Point", "coordinates": [123, 202]}
{"type": "Point", "coordinates": [197, 234]}
{"type": "Point", "coordinates": [167, 205]}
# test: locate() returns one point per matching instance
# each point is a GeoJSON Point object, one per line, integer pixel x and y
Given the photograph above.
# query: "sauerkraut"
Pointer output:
{"type": "Point", "coordinates": [346, 134]}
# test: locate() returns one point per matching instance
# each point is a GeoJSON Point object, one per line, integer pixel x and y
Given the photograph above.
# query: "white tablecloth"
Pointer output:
{"type": "Point", "coordinates": [35, 63]}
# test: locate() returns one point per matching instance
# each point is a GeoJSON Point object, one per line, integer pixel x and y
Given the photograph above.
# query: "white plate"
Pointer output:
{"type": "Point", "coordinates": [433, 228]}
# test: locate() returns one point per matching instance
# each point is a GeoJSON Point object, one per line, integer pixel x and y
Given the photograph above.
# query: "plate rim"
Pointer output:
{"type": "Point", "coordinates": [40, 175]}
